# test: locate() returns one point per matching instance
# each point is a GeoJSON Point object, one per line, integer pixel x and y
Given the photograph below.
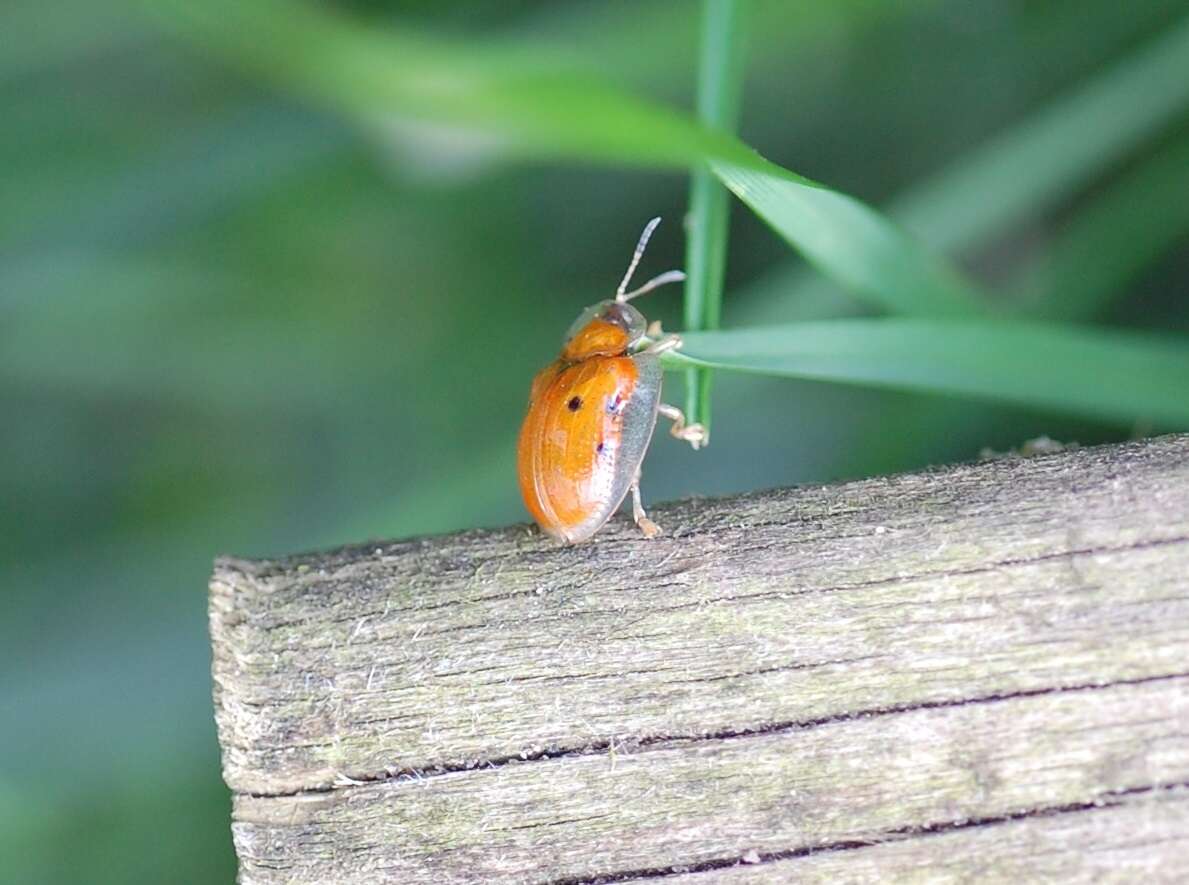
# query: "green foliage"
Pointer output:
{"type": "Point", "coordinates": [275, 275]}
{"type": "Point", "coordinates": [1118, 376]}
{"type": "Point", "coordinates": [522, 102]}
{"type": "Point", "coordinates": [872, 258]}
{"type": "Point", "coordinates": [720, 92]}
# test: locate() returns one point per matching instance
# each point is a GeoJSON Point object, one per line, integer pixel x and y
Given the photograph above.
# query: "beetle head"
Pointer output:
{"type": "Point", "coordinates": [608, 328]}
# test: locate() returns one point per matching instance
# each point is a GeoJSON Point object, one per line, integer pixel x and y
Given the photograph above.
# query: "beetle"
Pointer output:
{"type": "Point", "coordinates": [592, 413]}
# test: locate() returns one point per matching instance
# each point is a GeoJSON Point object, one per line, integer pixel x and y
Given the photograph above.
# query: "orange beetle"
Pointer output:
{"type": "Point", "coordinates": [591, 415]}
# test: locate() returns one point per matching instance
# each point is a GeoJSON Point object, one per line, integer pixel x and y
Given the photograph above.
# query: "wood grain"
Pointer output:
{"type": "Point", "coordinates": [951, 673]}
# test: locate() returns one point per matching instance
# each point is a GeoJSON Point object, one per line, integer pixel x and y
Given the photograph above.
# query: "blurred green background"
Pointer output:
{"type": "Point", "coordinates": [232, 321]}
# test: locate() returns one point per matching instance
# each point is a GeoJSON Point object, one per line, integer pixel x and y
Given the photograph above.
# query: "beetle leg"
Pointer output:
{"type": "Point", "coordinates": [669, 342]}
{"type": "Point", "coordinates": [694, 434]}
{"type": "Point", "coordinates": [647, 526]}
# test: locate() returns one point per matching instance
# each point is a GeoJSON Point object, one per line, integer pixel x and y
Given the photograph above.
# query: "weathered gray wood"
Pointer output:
{"type": "Point", "coordinates": [950, 673]}
{"type": "Point", "coordinates": [1132, 839]}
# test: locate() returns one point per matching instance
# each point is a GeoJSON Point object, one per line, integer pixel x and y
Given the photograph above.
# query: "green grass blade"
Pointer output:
{"type": "Point", "coordinates": [852, 243]}
{"type": "Point", "coordinates": [1021, 173]}
{"type": "Point", "coordinates": [1113, 375]}
{"type": "Point", "coordinates": [1012, 178]}
{"type": "Point", "coordinates": [522, 100]}
{"type": "Point", "coordinates": [720, 92]}
{"type": "Point", "coordinates": [536, 104]}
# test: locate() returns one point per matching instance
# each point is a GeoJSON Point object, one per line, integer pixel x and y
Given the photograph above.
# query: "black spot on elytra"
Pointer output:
{"type": "Point", "coordinates": [574, 404]}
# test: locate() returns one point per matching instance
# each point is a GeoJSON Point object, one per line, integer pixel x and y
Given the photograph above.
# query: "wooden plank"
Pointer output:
{"type": "Point", "coordinates": [1128, 841]}
{"type": "Point", "coordinates": [781, 671]}
{"type": "Point", "coordinates": [699, 801]}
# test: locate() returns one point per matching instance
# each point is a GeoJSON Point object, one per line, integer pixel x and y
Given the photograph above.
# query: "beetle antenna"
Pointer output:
{"type": "Point", "coordinates": [640, 247]}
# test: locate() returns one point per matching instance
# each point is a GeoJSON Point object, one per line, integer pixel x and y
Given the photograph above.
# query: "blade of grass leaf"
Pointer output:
{"type": "Point", "coordinates": [720, 91]}
{"type": "Point", "coordinates": [1086, 266]}
{"type": "Point", "coordinates": [1013, 177]}
{"type": "Point", "coordinates": [1113, 375]}
{"type": "Point", "coordinates": [873, 258]}
{"type": "Point", "coordinates": [1020, 173]}
{"type": "Point", "coordinates": [536, 101]}
{"type": "Point", "coordinates": [607, 38]}
{"type": "Point", "coordinates": [539, 105]}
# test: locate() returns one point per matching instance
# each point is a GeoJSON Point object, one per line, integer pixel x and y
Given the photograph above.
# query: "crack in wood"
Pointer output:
{"type": "Point", "coordinates": [558, 823]}
{"type": "Point", "coordinates": [1110, 799]}
{"type": "Point", "coordinates": [556, 752]}
{"type": "Point", "coordinates": [574, 677]}
{"type": "Point", "coordinates": [782, 668]}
